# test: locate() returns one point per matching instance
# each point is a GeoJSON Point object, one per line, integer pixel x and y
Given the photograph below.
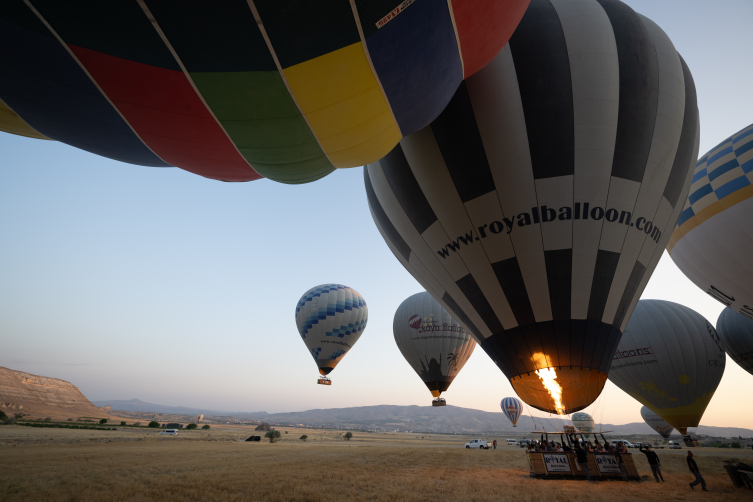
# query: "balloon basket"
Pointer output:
{"type": "Point", "coordinates": [439, 402]}
{"type": "Point", "coordinates": [324, 381]}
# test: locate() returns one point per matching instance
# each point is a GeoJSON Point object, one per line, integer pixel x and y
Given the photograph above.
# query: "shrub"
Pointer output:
{"type": "Point", "coordinates": [70, 420]}
{"type": "Point", "coordinates": [122, 423]}
{"type": "Point", "coordinates": [736, 444]}
{"type": "Point", "coordinates": [191, 427]}
{"type": "Point", "coordinates": [286, 432]}
{"type": "Point", "coordinates": [3, 416]}
{"type": "Point", "coordinates": [273, 436]}
{"type": "Point", "coordinates": [304, 438]}
{"type": "Point", "coordinates": [103, 421]}
{"type": "Point", "coordinates": [137, 424]}
{"type": "Point", "coordinates": [48, 419]}
{"type": "Point", "coordinates": [154, 424]}
{"type": "Point", "coordinates": [348, 435]}
{"type": "Point", "coordinates": [205, 427]}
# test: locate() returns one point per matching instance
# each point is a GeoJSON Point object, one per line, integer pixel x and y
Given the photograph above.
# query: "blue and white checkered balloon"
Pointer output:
{"type": "Point", "coordinates": [330, 319]}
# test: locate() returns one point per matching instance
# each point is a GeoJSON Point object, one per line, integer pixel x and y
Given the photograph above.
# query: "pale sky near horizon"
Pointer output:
{"type": "Point", "coordinates": [137, 282]}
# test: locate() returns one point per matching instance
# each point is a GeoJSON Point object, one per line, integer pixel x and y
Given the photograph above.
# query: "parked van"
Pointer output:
{"type": "Point", "coordinates": [512, 442]}
{"type": "Point", "coordinates": [674, 445]}
{"type": "Point", "coordinates": [627, 443]}
{"type": "Point", "coordinates": [169, 432]}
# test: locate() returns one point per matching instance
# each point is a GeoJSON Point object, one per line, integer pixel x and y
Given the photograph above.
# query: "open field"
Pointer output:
{"type": "Point", "coordinates": [138, 464]}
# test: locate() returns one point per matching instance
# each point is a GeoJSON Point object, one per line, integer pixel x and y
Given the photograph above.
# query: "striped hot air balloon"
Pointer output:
{"type": "Point", "coordinates": [512, 408]}
{"type": "Point", "coordinates": [713, 241]}
{"type": "Point", "coordinates": [235, 90]}
{"type": "Point", "coordinates": [330, 319]}
{"type": "Point", "coordinates": [537, 205]}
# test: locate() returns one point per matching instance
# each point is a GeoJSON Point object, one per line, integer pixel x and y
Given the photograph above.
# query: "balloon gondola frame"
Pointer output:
{"type": "Point", "coordinates": [323, 380]}
{"type": "Point", "coordinates": [439, 402]}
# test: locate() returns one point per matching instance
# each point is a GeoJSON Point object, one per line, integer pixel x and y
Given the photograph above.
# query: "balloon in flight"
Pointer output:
{"type": "Point", "coordinates": [736, 330]}
{"type": "Point", "coordinates": [434, 344]}
{"type": "Point", "coordinates": [236, 90]}
{"type": "Point", "coordinates": [656, 422]}
{"type": "Point", "coordinates": [512, 408]}
{"type": "Point", "coordinates": [713, 241]}
{"type": "Point", "coordinates": [537, 205]}
{"type": "Point", "coordinates": [583, 422]}
{"type": "Point", "coordinates": [671, 360]}
{"type": "Point", "coordinates": [330, 318]}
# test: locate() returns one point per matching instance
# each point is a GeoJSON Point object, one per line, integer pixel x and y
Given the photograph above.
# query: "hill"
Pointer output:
{"type": "Point", "coordinates": [40, 396]}
{"type": "Point", "coordinates": [138, 405]}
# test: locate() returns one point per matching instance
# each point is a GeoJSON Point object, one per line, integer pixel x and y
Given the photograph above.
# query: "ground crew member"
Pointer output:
{"type": "Point", "coordinates": [694, 469]}
{"type": "Point", "coordinates": [653, 462]}
{"type": "Point", "coordinates": [582, 456]}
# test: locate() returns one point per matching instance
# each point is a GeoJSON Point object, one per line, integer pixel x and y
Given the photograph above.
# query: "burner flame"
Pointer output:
{"type": "Point", "coordinates": [548, 377]}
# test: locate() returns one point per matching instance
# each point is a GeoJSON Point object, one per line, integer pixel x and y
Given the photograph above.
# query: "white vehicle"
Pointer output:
{"type": "Point", "coordinates": [627, 443]}
{"type": "Point", "coordinates": [674, 445]}
{"type": "Point", "coordinates": [477, 443]}
{"type": "Point", "coordinates": [512, 442]}
{"type": "Point", "coordinates": [169, 432]}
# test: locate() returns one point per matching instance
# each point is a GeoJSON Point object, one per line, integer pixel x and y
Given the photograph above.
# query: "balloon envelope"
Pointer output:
{"type": "Point", "coordinates": [656, 422]}
{"type": "Point", "coordinates": [434, 344]}
{"type": "Point", "coordinates": [330, 318]}
{"type": "Point", "coordinates": [537, 205]}
{"type": "Point", "coordinates": [713, 241]}
{"type": "Point", "coordinates": [512, 408]}
{"type": "Point", "coordinates": [736, 331]}
{"type": "Point", "coordinates": [671, 360]}
{"type": "Point", "coordinates": [237, 90]}
{"type": "Point", "coordinates": [583, 422]}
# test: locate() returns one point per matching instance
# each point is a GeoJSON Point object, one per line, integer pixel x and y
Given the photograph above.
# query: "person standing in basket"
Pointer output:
{"type": "Point", "coordinates": [694, 469]}
{"type": "Point", "coordinates": [582, 456]}
{"type": "Point", "coordinates": [653, 462]}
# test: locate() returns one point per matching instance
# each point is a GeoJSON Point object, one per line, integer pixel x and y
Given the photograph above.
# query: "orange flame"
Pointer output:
{"type": "Point", "coordinates": [548, 377]}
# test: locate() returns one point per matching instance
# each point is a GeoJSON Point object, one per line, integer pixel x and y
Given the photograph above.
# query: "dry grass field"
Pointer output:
{"type": "Point", "coordinates": [138, 464]}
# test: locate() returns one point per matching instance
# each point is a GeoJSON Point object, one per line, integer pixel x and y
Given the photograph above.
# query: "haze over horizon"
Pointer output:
{"type": "Point", "coordinates": [156, 284]}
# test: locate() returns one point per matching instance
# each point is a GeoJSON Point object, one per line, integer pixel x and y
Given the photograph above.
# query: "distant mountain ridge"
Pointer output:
{"type": "Point", "coordinates": [446, 419]}
{"type": "Point", "coordinates": [138, 405]}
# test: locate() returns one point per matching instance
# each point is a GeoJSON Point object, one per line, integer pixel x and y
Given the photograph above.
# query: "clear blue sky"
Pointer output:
{"type": "Point", "coordinates": [159, 284]}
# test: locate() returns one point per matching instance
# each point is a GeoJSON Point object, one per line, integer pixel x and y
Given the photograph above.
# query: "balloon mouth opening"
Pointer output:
{"type": "Point", "coordinates": [325, 371]}
{"type": "Point", "coordinates": [559, 390]}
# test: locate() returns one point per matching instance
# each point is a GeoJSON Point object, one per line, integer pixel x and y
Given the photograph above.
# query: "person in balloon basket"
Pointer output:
{"type": "Point", "coordinates": [582, 456]}
{"type": "Point", "coordinates": [653, 462]}
{"type": "Point", "coordinates": [694, 469]}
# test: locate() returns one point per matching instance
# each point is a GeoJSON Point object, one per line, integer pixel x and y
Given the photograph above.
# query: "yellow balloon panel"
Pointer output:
{"type": "Point", "coordinates": [343, 103]}
{"type": "Point", "coordinates": [12, 123]}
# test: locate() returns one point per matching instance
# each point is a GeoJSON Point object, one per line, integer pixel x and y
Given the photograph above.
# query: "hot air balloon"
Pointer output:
{"type": "Point", "coordinates": [330, 318]}
{"type": "Point", "coordinates": [736, 330]}
{"type": "Point", "coordinates": [235, 90]}
{"type": "Point", "coordinates": [434, 344]}
{"type": "Point", "coordinates": [713, 241]}
{"type": "Point", "coordinates": [583, 422]}
{"type": "Point", "coordinates": [656, 422]}
{"type": "Point", "coordinates": [537, 205]}
{"type": "Point", "coordinates": [671, 360]}
{"type": "Point", "coordinates": [512, 408]}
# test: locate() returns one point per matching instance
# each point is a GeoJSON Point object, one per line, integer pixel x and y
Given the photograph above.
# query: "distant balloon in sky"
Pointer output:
{"type": "Point", "coordinates": [713, 241]}
{"type": "Point", "coordinates": [512, 408]}
{"type": "Point", "coordinates": [656, 422]}
{"type": "Point", "coordinates": [583, 422]}
{"type": "Point", "coordinates": [671, 360]}
{"type": "Point", "coordinates": [537, 205]}
{"type": "Point", "coordinates": [330, 318]}
{"type": "Point", "coordinates": [235, 90]}
{"type": "Point", "coordinates": [736, 330]}
{"type": "Point", "coordinates": [434, 344]}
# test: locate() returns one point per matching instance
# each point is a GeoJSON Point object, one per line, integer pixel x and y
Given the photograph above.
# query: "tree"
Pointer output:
{"type": "Point", "coordinates": [286, 432]}
{"type": "Point", "coordinates": [122, 423]}
{"type": "Point", "coordinates": [3, 416]}
{"type": "Point", "coordinates": [206, 427]}
{"type": "Point", "coordinates": [103, 421]}
{"type": "Point", "coordinates": [48, 419]}
{"type": "Point", "coordinates": [736, 444]}
{"type": "Point", "coordinates": [137, 424]}
{"type": "Point", "coordinates": [304, 438]}
{"type": "Point", "coordinates": [348, 435]}
{"type": "Point", "coordinates": [191, 427]}
{"type": "Point", "coordinates": [273, 436]}
{"type": "Point", "coordinates": [154, 424]}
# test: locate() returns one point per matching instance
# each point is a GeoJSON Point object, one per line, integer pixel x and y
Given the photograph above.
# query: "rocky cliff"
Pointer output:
{"type": "Point", "coordinates": [43, 396]}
